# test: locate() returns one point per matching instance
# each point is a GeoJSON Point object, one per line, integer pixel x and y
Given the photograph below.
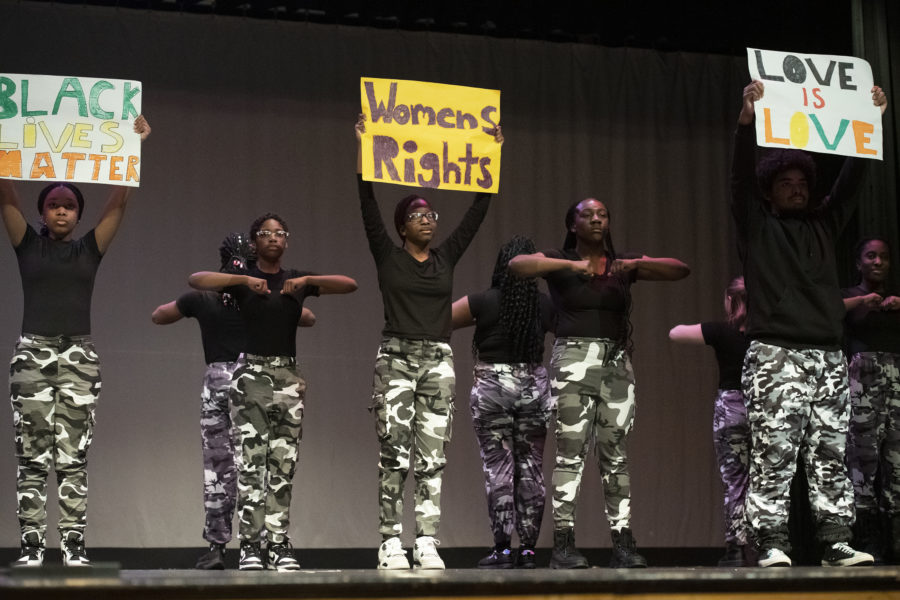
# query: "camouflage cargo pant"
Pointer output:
{"type": "Point", "coordinates": [54, 383]}
{"type": "Point", "coordinates": [731, 439]}
{"type": "Point", "coordinates": [510, 409]}
{"type": "Point", "coordinates": [219, 473]}
{"type": "Point", "coordinates": [267, 412]}
{"type": "Point", "coordinates": [412, 400]}
{"type": "Point", "coordinates": [873, 445]}
{"type": "Point", "coordinates": [797, 403]}
{"type": "Point", "coordinates": [593, 383]}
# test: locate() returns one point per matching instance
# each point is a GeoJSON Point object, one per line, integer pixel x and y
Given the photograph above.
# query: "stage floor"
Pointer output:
{"type": "Point", "coordinates": [806, 583]}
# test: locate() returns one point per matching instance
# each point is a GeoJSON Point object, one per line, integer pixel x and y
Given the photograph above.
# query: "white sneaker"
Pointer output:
{"type": "Point", "coordinates": [425, 555]}
{"type": "Point", "coordinates": [773, 557]}
{"type": "Point", "coordinates": [32, 556]}
{"type": "Point", "coordinates": [842, 555]}
{"type": "Point", "coordinates": [391, 555]}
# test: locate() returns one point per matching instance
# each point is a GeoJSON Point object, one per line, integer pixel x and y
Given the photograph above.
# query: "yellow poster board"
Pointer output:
{"type": "Point", "coordinates": [430, 135]}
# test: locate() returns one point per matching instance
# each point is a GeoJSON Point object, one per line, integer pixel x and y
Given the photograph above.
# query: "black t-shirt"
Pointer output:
{"type": "Point", "coordinates": [490, 338]}
{"type": "Point", "coordinates": [272, 318]}
{"type": "Point", "coordinates": [594, 307]}
{"type": "Point", "coordinates": [57, 283]}
{"type": "Point", "coordinates": [871, 330]}
{"type": "Point", "coordinates": [417, 296]}
{"type": "Point", "coordinates": [730, 345]}
{"type": "Point", "coordinates": [222, 327]}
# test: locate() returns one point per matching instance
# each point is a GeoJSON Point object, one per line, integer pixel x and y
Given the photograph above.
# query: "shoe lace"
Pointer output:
{"type": "Point", "coordinates": [393, 547]}
{"type": "Point", "coordinates": [842, 548]}
{"type": "Point", "coordinates": [282, 550]}
{"type": "Point", "coordinates": [250, 550]}
{"type": "Point", "coordinates": [75, 549]}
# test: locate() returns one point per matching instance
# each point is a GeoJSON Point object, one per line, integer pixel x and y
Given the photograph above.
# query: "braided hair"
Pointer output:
{"type": "Point", "coordinates": [623, 339]}
{"type": "Point", "coordinates": [520, 309]}
{"type": "Point", "coordinates": [238, 257]}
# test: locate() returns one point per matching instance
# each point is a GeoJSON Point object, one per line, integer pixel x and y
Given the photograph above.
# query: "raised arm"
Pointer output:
{"type": "Point", "coordinates": [462, 314]}
{"type": "Point", "coordinates": [687, 334]}
{"type": "Point", "coordinates": [538, 265]}
{"type": "Point", "coordinates": [166, 314]}
{"type": "Point", "coordinates": [652, 269]}
{"type": "Point", "coordinates": [11, 211]}
{"type": "Point", "coordinates": [327, 284]}
{"type": "Point", "coordinates": [216, 282]}
{"type": "Point", "coordinates": [114, 210]}
{"type": "Point", "coordinates": [743, 161]}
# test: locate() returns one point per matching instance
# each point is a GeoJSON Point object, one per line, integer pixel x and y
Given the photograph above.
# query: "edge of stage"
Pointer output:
{"type": "Point", "coordinates": [345, 579]}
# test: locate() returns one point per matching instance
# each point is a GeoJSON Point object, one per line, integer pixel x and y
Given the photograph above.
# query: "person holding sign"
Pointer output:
{"type": "Point", "coordinates": [267, 389]}
{"type": "Point", "coordinates": [795, 375]}
{"type": "Point", "coordinates": [510, 402]}
{"type": "Point", "coordinates": [591, 374]}
{"type": "Point", "coordinates": [872, 327]}
{"type": "Point", "coordinates": [54, 377]}
{"type": "Point", "coordinates": [224, 336]}
{"type": "Point", "coordinates": [731, 431]}
{"type": "Point", "coordinates": [414, 379]}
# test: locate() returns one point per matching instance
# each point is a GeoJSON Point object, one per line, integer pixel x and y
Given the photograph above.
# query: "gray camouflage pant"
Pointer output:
{"type": "Point", "coordinates": [412, 400]}
{"type": "Point", "coordinates": [54, 383]}
{"type": "Point", "coordinates": [593, 383]}
{"type": "Point", "coordinates": [267, 412]}
{"type": "Point", "coordinates": [731, 439]}
{"type": "Point", "coordinates": [510, 409]}
{"type": "Point", "coordinates": [873, 445]}
{"type": "Point", "coordinates": [797, 403]}
{"type": "Point", "coordinates": [219, 472]}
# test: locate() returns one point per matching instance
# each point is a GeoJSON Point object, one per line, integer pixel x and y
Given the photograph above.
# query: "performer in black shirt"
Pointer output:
{"type": "Point", "coordinates": [731, 430]}
{"type": "Point", "coordinates": [224, 336]}
{"type": "Point", "coordinates": [872, 327]}
{"type": "Point", "coordinates": [510, 402]}
{"type": "Point", "coordinates": [591, 375]}
{"type": "Point", "coordinates": [268, 391]}
{"type": "Point", "coordinates": [414, 378]}
{"type": "Point", "coordinates": [55, 372]}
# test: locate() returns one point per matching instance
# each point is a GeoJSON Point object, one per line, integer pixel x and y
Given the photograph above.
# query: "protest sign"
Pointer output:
{"type": "Point", "coordinates": [817, 103]}
{"type": "Point", "coordinates": [77, 129]}
{"type": "Point", "coordinates": [430, 135]}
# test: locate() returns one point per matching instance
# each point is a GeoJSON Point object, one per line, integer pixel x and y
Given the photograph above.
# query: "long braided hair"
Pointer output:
{"type": "Point", "coordinates": [520, 309]}
{"type": "Point", "coordinates": [623, 339]}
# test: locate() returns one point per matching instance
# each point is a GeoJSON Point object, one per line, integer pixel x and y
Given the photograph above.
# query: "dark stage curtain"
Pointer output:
{"type": "Point", "coordinates": [252, 116]}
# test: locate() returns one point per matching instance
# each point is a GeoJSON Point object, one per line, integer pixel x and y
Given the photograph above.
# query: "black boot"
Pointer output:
{"type": "Point", "coordinates": [895, 538]}
{"type": "Point", "coordinates": [867, 534]}
{"type": "Point", "coordinates": [734, 555]}
{"type": "Point", "coordinates": [565, 555]}
{"type": "Point", "coordinates": [624, 554]}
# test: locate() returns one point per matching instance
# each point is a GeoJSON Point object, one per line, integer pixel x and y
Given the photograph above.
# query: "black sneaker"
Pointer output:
{"type": "Point", "coordinates": [525, 558]}
{"type": "Point", "coordinates": [280, 557]}
{"type": "Point", "coordinates": [32, 552]}
{"type": "Point", "coordinates": [842, 555]}
{"type": "Point", "coordinates": [73, 551]}
{"type": "Point", "coordinates": [565, 555]}
{"type": "Point", "coordinates": [214, 560]}
{"type": "Point", "coordinates": [251, 557]}
{"type": "Point", "coordinates": [624, 553]}
{"type": "Point", "coordinates": [499, 558]}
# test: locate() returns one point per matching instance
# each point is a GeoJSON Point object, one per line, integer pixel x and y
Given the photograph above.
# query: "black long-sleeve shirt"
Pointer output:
{"type": "Point", "coordinates": [794, 299]}
{"type": "Point", "coordinates": [417, 296]}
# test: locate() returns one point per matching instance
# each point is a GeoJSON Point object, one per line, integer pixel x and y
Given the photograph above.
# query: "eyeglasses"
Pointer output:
{"type": "Point", "coordinates": [417, 216]}
{"type": "Point", "coordinates": [265, 233]}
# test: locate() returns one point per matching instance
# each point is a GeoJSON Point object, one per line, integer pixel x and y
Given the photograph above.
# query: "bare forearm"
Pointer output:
{"type": "Point", "coordinates": [533, 265]}
{"type": "Point", "coordinates": [662, 269]}
{"type": "Point", "coordinates": [213, 281]}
